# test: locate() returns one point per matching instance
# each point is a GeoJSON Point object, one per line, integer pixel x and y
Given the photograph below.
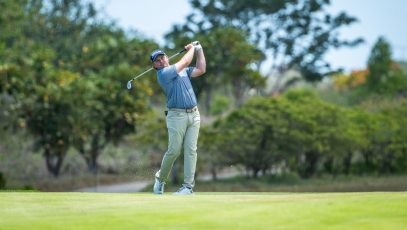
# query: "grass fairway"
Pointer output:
{"type": "Point", "coordinates": [37, 210]}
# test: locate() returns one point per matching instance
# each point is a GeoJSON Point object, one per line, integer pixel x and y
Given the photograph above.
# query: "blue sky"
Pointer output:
{"type": "Point", "coordinates": [376, 18]}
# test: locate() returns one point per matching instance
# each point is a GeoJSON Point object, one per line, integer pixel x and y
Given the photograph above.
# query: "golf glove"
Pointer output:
{"type": "Point", "coordinates": [197, 46]}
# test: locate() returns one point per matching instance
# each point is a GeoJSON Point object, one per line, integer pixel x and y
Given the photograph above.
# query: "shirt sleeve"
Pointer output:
{"type": "Point", "coordinates": [189, 71]}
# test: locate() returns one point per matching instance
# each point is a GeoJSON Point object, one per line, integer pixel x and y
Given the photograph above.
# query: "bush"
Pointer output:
{"type": "Point", "coordinates": [220, 105]}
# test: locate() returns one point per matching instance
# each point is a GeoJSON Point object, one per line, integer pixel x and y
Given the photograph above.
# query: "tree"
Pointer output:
{"type": "Point", "coordinates": [295, 34]}
{"type": "Point", "coordinates": [66, 72]}
{"type": "Point", "coordinates": [384, 127]}
{"type": "Point", "coordinates": [28, 78]}
{"type": "Point", "coordinates": [106, 111]}
{"type": "Point", "coordinates": [255, 136]}
{"type": "Point", "coordinates": [229, 57]}
{"type": "Point", "coordinates": [48, 116]}
{"type": "Point", "coordinates": [242, 140]}
{"type": "Point", "coordinates": [295, 132]}
{"type": "Point", "coordinates": [396, 158]}
{"type": "Point", "coordinates": [14, 47]}
{"type": "Point", "coordinates": [385, 77]}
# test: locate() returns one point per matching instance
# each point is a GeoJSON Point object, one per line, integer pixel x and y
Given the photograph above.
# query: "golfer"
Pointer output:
{"type": "Point", "coordinates": [183, 119]}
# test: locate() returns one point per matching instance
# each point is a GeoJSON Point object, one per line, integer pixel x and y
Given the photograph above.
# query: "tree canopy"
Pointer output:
{"type": "Point", "coordinates": [63, 71]}
{"type": "Point", "coordinates": [294, 34]}
{"type": "Point", "coordinates": [66, 70]}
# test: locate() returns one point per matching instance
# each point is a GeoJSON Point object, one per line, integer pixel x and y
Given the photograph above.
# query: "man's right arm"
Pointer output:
{"type": "Point", "coordinates": [186, 59]}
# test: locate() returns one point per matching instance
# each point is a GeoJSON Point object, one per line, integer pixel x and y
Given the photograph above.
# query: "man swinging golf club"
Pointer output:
{"type": "Point", "coordinates": [183, 119]}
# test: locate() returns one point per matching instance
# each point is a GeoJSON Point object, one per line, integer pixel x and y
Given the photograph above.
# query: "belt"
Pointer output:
{"type": "Point", "coordinates": [191, 110]}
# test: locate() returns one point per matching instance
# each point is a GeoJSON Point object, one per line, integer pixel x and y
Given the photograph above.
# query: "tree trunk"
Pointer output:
{"type": "Point", "coordinates": [238, 92]}
{"type": "Point", "coordinates": [310, 164]}
{"type": "Point", "coordinates": [91, 155]}
{"type": "Point", "coordinates": [92, 163]}
{"type": "Point", "coordinates": [329, 165]}
{"type": "Point", "coordinates": [213, 172]}
{"type": "Point", "coordinates": [255, 171]}
{"type": "Point", "coordinates": [208, 99]}
{"type": "Point", "coordinates": [368, 162]}
{"type": "Point", "coordinates": [54, 161]}
{"type": "Point", "coordinates": [94, 154]}
{"type": "Point", "coordinates": [347, 163]}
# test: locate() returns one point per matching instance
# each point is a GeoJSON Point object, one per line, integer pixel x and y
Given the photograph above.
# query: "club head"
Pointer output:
{"type": "Point", "coordinates": [129, 85]}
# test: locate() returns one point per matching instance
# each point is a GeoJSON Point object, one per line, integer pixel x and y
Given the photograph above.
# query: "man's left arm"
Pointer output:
{"type": "Point", "coordinates": [200, 67]}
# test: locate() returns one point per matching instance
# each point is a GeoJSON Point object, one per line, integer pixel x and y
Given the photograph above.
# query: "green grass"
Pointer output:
{"type": "Point", "coordinates": [38, 210]}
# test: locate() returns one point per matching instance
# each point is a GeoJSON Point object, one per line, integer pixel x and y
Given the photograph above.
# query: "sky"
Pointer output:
{"type": "Point", "coordinates": [376, 18]}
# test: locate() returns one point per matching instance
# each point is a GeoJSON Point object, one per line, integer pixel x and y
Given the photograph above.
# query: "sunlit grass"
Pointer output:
{"type": "Point", "coordinates": [36, 210]}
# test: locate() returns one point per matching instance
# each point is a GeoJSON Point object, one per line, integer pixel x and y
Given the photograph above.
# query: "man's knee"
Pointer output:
{"type": "Point", "coordinates": [190, 148]}
{"type": "Point", "coordinates": [173, 151]}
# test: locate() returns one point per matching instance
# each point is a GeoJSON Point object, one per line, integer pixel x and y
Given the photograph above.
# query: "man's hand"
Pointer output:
{"type": "Point", "coordinates": [189, 46]}
{"type": "Point", "coordinates": [197, 45]}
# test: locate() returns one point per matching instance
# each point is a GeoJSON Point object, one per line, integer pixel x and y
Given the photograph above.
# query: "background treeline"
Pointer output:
{"type": "Point", "coordinates": [63, 70]}
{"type": "Point", "coordinates": [300, 133]}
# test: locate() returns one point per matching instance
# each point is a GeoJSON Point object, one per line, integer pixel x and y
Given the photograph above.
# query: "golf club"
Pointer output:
{"type": "Point", "coordinates": [129, 82]}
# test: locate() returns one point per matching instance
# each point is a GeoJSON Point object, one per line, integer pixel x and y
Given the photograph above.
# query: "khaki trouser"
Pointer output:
{"type": "Point", "coordinates": [183, 130]}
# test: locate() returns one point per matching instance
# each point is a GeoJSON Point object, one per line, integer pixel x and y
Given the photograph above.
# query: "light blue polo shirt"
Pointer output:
{"type": "Point", "coordinates": [177, 87]}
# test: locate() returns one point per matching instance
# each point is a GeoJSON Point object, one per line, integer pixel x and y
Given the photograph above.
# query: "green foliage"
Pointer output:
{"type": "Point", "coordinates": [295, 34]}
{"type": "Point", "coordinates": [229, 63]}
{"type": "Point", "coordinates": [388, 151]}
{"type": "Point", "coordinates": [384, 78]}
{"type": "Point", "coordinates": [379, 64]}
{"type": "Point", "coordinates": [63, 72]}
{"type": "Point", "coordinates": [383, 82]}
{"type": "Point", "coordinates": [299, 132]}
{"type": "Point", "coordinates": [220, 105]}
{"type": "Point", "coordinates": [152, 137]}
{"type": "Point", "coordinates": [66, 71]}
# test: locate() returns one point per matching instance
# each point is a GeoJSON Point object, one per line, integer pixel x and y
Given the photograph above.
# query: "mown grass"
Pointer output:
{"type": "Point", "coordinates": [38, 210]}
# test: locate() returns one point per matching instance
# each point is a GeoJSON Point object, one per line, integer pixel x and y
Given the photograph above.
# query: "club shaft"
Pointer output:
{"type": "Point", "coordinates": [142, 74]}
{"type": "Point", "coordinates": [153, 68]}
{"type": "Point", "coordinates": [183, 50]}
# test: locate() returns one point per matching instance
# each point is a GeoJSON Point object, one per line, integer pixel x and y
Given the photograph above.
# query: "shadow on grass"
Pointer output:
{"type": "Point", "coordinates": [293, 183]}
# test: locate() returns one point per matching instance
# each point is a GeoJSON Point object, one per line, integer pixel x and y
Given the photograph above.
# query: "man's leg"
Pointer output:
{"type": "Point", "coordinates": [176, 124]}
{"type": "Point", "coordinates": [190, 149]}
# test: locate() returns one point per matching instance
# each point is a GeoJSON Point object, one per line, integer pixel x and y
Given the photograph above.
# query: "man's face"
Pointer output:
{"type": "Point", "coordinates": [161, 62]}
